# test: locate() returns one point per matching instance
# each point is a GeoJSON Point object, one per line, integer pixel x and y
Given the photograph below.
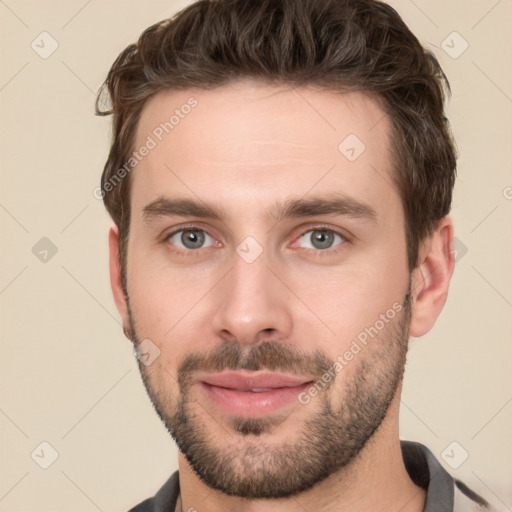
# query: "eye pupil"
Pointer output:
{"type": "Point", "coordinates": [192, 239]}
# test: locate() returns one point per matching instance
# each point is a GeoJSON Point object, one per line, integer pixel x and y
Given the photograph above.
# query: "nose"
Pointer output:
{"type": "Point", "coordinates": [253, 303]}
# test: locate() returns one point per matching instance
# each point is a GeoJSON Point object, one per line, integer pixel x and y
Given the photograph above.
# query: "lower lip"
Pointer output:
{"type": "Point", "coordinates": [250, 404]}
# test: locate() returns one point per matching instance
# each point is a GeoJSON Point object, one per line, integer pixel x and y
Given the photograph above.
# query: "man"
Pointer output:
{"type": "Point", "coordinates": [280, 179]}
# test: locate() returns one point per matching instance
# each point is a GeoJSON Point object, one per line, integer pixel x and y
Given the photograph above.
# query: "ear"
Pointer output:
{"type": "Point", "coordinates": [116, 281]}
{"type": "Point", "coordinates": [431, 278]}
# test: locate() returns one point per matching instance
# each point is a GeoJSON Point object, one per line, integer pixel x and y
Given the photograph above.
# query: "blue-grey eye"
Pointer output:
{"type": "Point", "coordinates": [190, 238]}
{"type": "Point", "coordinates": [320, 238]}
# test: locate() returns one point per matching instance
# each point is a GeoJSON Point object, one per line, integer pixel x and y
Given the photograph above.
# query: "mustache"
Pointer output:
{"type": "Point", "coordinates": [268, 355]}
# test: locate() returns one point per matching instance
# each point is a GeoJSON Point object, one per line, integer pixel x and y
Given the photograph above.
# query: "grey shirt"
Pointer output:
{"type": "Point", "coordinates": [444, 493]}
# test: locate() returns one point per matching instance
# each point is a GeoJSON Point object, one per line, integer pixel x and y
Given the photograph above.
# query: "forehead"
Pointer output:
{"type": "Point", "coordinates": [241, 142]}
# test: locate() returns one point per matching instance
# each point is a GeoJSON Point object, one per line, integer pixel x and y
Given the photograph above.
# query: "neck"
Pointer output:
{"type": "Point", "coordinates": [376, 480]}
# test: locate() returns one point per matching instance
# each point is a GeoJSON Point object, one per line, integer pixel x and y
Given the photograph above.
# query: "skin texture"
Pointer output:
{"type": "Point", "coordinates": [246, 149]}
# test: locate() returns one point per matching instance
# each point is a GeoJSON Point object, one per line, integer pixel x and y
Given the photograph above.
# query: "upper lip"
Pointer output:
{"type": "Point", "coordinates": [252, 380]}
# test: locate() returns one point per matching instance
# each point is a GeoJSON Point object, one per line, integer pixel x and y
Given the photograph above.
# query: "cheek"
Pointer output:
{"type": "Point", "coordinates": [150, 299]}
{"type": "Point", "coordinates": [159, 294]}
{"type": "Point", "coordinates": [172, 308]}
{"type": "Point", "coordinates": [348, 301]}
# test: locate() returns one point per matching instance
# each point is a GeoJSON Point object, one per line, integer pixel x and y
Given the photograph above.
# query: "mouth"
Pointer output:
{"type": "Point", "coordinates": [251, 394]}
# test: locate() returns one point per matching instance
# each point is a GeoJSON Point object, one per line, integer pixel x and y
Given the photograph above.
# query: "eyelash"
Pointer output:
{"type": "Point", "coordinates": [316, 252]}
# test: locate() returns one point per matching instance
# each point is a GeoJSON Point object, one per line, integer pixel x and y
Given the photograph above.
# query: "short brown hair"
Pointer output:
{"type": "Point", "coordinates": [342, 45]}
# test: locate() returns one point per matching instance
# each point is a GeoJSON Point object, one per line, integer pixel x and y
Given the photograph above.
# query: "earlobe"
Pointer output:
{"type": "Point", "coordinates": [116, 281]}
{"type": "Point", "coordinates": [431, 278]}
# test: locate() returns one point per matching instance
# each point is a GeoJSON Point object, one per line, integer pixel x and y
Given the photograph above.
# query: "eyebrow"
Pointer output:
{"type": "Point", "coordinates": [331, 204]}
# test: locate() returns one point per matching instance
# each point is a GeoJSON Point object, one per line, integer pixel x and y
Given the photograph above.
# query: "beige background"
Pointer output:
{"type": "Point", "coordinates": [68, 375]}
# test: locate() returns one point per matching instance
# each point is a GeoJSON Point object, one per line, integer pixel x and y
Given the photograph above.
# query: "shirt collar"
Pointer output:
{"type": "Point", "coordinates": [426, 472]}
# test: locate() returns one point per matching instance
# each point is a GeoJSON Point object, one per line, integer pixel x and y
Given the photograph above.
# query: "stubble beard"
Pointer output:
{"type": "Point", "coordinates": [245, 464]}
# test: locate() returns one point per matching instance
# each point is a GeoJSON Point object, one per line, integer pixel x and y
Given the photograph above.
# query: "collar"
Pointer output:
{"type": "Point", "coordinates": [426, 472]}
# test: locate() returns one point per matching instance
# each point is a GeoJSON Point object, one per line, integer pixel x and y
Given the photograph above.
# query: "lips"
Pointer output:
{"type": "Point", "coordinates": [246, 381]}
{"type": "Point", "coordinates": [251, 394]}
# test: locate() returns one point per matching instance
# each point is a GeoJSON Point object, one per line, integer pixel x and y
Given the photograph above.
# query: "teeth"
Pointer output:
{"type": "Point", "coordinates": [256, 390]}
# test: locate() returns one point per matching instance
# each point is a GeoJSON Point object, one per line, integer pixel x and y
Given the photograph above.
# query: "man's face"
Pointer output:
{"type": "Point", "coordinates": [302, 279]}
